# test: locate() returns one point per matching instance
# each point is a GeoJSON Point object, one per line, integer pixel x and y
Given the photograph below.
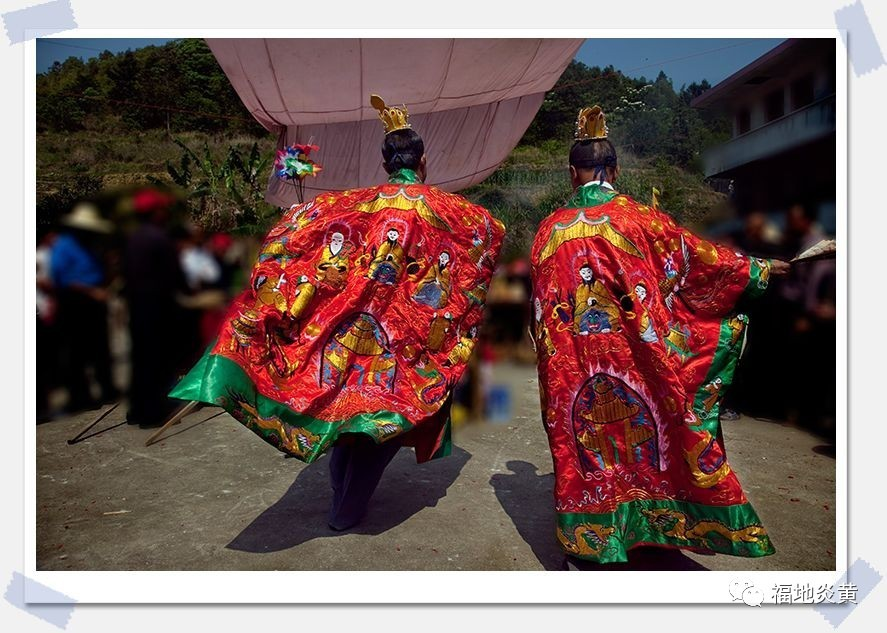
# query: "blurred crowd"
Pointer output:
{"type": "Point", "coordinates": [791, 340]}
{"type": "Point", "coordinates": [150, 287]}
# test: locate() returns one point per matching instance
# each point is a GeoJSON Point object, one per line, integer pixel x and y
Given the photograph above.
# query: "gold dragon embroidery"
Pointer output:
{"type": "Point", "coordinates": [588, 539]}
{"type": "Point", "coordinates": [299, 441]}
{"type": "Point", "coordinates": [674, 524]}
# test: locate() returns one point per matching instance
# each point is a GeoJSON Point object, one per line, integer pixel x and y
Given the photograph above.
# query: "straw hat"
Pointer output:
{"type": "Point", "coordinates": [86, 217]}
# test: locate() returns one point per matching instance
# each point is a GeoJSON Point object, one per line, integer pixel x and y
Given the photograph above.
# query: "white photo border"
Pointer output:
{"type": "Point", "coordinates": [421, 587]}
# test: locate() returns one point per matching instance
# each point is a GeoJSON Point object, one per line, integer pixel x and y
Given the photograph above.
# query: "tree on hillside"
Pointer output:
{"type": "Point", "coordinates": [646, 117]}
{"type": "Point", "coordinates": [178, 87]}
{"type": "Point", "coordinates": [688, 93]}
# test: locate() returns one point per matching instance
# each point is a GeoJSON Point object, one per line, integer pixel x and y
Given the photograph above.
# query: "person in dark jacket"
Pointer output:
{"type": "Point", "coordinates": [153, 278]}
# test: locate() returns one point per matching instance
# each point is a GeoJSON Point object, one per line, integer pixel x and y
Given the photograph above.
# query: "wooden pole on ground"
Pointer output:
{"type": "Point", "coordinates": [74, 439]}
{"type": "Point", "coordinates": [175, 419]}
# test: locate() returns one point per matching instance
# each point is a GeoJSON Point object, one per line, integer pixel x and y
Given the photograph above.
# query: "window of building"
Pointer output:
{"type": "Point", "coordinates": [743, 121]}
{"type": "Point", "coordinates": [802, 92]}
{"type": "Point", "coordinates": [774, 105]}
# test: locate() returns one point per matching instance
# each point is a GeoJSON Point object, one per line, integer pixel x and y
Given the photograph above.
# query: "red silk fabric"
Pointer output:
{"type": "Point", "coordinates": [365, 301]}
{"type": "Point", "coordinates": [636, 343]}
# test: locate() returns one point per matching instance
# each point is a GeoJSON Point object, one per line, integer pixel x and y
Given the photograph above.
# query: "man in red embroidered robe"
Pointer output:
{"type": "Point", "coordinates": [336, 343]}
{"type": "Point", "coordinates": [640, 341]}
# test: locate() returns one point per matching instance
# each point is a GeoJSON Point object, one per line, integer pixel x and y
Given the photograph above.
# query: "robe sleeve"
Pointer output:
{"type": "Point", "coordinates": [712, 277]}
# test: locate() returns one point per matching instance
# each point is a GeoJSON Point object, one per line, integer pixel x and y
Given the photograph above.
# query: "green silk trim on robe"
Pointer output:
{"type": "Point", "coordinates": [757, 279]}
{"type": "Point", "coordinates": [446, 442]}
{"type": "Point", "coordinates": [220, 381]}
{"type": "Point", "coordinates": [727, 353]}
{"type": "Point", "coordinates": [723, 366]}
{"type": "Point", "coordinates": [589, 196]}
{"type": "Point", "coordinates": [606, 538]}
{"type": "Point", "coordinates": [404, 176]}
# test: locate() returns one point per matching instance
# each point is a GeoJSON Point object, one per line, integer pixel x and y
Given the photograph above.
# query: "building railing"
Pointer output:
{"type": "Point", "coordinates": [795, 128]}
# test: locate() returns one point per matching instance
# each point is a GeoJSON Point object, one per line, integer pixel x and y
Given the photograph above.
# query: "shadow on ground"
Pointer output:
{"type": "Point", "coordinates": [301, 514]}
{"type": "Point", "coordinates": [528, 498]}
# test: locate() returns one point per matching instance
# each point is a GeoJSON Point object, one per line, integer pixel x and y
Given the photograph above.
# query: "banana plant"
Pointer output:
{"type": "Point", "coordinates": [228, 194]}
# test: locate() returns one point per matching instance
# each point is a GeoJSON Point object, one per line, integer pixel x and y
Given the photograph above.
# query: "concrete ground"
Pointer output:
{"type": "Point", "coordinates": [212, 496]}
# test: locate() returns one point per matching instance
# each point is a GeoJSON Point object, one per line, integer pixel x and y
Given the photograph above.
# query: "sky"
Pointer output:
{"type": "Point", "coordinates": [683, 60]}
{"type": "Point", "coordinates": [51, 50]}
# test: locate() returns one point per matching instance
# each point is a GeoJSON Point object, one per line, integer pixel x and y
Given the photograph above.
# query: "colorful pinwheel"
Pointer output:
{"type": "Point", "coordinates": [293, 164]}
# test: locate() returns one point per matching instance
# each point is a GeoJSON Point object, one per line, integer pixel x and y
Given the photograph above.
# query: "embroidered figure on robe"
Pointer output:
{"type": "Point", "coordinates": [389, 259]}
{"type": "Point", "coordinates": [595, 311]}
{"type": "Point", "coordinates": [434, 289]}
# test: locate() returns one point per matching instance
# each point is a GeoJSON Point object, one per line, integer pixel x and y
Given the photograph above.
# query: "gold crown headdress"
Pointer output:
{"type": "Point", "coordinates": [591, 124]}
{"type": "Point", "coordinates": [393, 119]}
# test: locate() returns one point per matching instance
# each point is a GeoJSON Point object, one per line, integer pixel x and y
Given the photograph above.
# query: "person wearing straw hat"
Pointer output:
{"type": "Point", "coordinates": [335, 345]}
{"type": "Point", "coordinates": [641, 341]}
{"type": "Point", "coordinates": [79, 280]}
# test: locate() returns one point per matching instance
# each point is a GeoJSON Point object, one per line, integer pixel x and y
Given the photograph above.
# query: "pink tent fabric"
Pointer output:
{"type": "Point", "coordinates": [470, 99]}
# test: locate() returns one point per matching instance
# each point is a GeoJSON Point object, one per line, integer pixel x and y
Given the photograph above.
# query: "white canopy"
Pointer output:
{"type": "Point", "coordinates": [471, 100]}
